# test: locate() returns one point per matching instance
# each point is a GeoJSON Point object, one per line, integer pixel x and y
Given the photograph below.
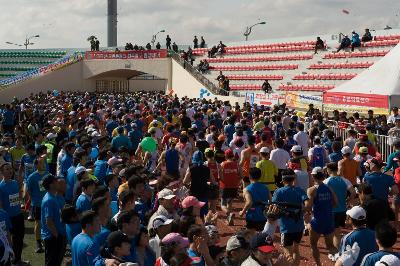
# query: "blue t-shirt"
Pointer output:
{"type": "Point", "coordinates": [101, 237]}
{"type": "Point", "coordinates": [100, 170]}
{"type": "Point", "coordinates": [372, 258]}
{"type": "Point", "coordinates": [27, 162]}
{"type": "Point", "coordinates": [366, 241]}
{"type": "Point", "coordinates": [135, 136]}
{"type": "Point", "coordinates": [83, 203]}
{"type": "Point", "coordinates": [193, 254]}
{"type": "Point", "coordinates": [72, 230]}
{"type": "Point", "coordinates": [35, 188]}
{"type": "Point", "coordinates": [335, 157]}
{"type": "Point", "coordinates": [141, 208]}
{"type": "Point", "coordinates": [110, 126]}
{"type": "Point", "coordinates": [5, 222]}
{"type": "Point", "coordinates": [8, 117]}
{"type": "Point", "coordinates": [132, 256]}
{"type": "Point", "coordinates": [9, 195]}
{"type": "Point", "coordinates": [114, 194]}
{"type": "Point", "coordinates": [339, 185]}
{"type": "Point", "coordinates": [229, 130]}
{"type": "Point", "coordinates": [84, 250]}
{"type": "Point", "coordinates": [259, 193]}
{"type": "Point", "coordinates": [51, 209]}
{"type": "Point", "coordinates": [70, 183]}
{"type": "Point", "coordinates": [66, 163]}
{"type": "Point", "coordinates": [293, 195]}
{"type": "Point", "coordinates": [380, 184]}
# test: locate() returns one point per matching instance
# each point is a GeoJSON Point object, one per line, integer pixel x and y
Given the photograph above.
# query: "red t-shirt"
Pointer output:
{"type": "Point", "coordinates": [230, 174]}
{"type": "Point", "coordinates": [397, 177]}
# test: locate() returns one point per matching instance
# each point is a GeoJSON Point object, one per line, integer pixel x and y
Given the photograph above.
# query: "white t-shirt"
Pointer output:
{"type": "Point", "coordinates": [302, 180]}
{"type": "Point", "coordinates": [301, 138]}
{"type": "Point", "coordinates": [280, 157]}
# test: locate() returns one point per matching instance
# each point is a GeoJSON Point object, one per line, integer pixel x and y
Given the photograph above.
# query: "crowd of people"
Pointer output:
{"type": "Point", "coordinates": [147, 178]}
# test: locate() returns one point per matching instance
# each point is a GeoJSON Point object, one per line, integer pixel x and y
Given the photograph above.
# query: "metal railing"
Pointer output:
{"type": "Point", "coordinates": [197, 74]}
{"type": "Point", "coordinates": [383, 145]}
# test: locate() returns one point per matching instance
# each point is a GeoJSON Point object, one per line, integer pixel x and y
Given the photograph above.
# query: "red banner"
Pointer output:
{"type": "Point", "coordinates": [356, 99]}
{"type": "Point", "coordinates": [143, 54]}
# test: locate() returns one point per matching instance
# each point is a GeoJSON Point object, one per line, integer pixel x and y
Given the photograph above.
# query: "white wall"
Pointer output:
{"type": "Point", "coordinates": [183, 84]}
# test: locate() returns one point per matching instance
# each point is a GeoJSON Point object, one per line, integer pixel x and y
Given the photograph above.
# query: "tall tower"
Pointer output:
{"type": "Point", "coordinates": [112, 23]}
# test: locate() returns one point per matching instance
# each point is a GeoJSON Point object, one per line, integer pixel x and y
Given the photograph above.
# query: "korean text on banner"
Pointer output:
{"type": "Point", "coordinates": [148, 54]}
{"type": "Point", "coordinates": [263, 98]}
{"type": "Point", "coordinates": [301, 101]}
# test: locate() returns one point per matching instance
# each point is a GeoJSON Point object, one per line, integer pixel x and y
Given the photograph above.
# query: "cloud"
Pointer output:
{"type": "Point", "coordinates": [69, 23]}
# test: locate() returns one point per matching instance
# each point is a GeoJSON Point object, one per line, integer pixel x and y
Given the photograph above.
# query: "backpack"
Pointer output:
{"type": "Point", "coordinates": [318, 157]}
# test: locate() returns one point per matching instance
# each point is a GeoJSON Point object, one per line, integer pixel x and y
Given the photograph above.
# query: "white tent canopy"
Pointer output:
{"type": "Point", "coordinates": [382, 78]}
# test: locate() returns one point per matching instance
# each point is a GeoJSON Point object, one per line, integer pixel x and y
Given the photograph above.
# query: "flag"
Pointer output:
{"type": "Point", "coordinates": [345, 11]}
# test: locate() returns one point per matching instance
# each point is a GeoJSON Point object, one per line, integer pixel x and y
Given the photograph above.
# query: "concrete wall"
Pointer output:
{"type": "Point", "coordinates": [183, 84]}
{"type": "Point", "coordinates": [68, 78]}
{"type": "Point", "coordinates": [148, 85]}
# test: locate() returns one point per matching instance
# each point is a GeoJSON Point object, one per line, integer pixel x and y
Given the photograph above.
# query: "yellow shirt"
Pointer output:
{"type": "Point", "coordinates": [123, 187]}
{"type": "Point", "coordinates": [268, 173]}
{"type": "Point", "coordinates": [17, 153]}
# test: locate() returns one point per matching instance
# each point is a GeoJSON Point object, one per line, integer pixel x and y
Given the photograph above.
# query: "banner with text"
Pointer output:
{"type": "Point", "coordinates": [145, 54]}
{"type": "Point", "coordinates": [263, 99]}
{"type": "Point", "coordinates": [356, 102]}
{"type": "Point", "coordinates": [301, 101]}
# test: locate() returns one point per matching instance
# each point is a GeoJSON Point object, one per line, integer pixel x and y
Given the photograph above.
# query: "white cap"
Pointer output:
{"type": "Point", "coordinates": [80, 169]}
{"type": "Point", "coordinates": [113, 160]}
{"type": "Point", "coordinates": [161, 220]}
{"type": "Point", "coordinates": [51, 136]}
{"type": "Point", "coordinates": [96, 134]}
{"type": "Point", "coordinates": [296, 148]}
{"type": "Point", "coordinates": [72, 113]}
{"type": "Point", "coordinates": [264, 150]}
{"type": "Point", "coordinates": [194, 126]}
{"type": "Point", "coordinates": [391, 260]}
{"type": "Point", "coordinates": [166, 194]}
{"type": "Point", "coordinates": [346, 150]}
{"type": "Point", "coordinates": [317, 170]}
{"type": "Point", "coordinates": [237, 124]}
{"type": "Point", "coordinates": [357, 213]}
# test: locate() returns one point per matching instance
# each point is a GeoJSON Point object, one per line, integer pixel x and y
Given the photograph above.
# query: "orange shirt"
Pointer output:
{"type": "Point", "coordinates": [250, 161]}
{"type": "Point", "coordinates": [349, 169]}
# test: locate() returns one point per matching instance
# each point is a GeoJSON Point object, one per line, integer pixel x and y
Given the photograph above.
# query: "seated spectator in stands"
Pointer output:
{"type": "Point", "coordinates": [190, 56]}
{"type": "Point", "coordinates": [206, 66]}
{"type": "Point", "coordinates": [346, 42]}
{"type": "Point", "coordinates": [319, 45]}
{"type": "Point", "coordinates": [148, 46]}
{"type": "Point", "coordinates": [367, 37]}
{"type": "Point", "coordinates": [202, 42]}
{"type": "Point", "coordinates": [266, 87]}
{"type": "Point", "coordinates": [175, 47]}
{"type": "Point", "coordinates": [221, 78]}
{"type": "Point", "coordinates": [212, 52]}
{"type": "Point", "coordinates": [135, 47]}
{"type": "Point", "coordinates": [221, 48]}
{"type": "Point", "coordinates": [355, 40]}
{"type": "Point", "coordinates": [127, 46]}
{"type": "Point", "coordinates": [158, 46]}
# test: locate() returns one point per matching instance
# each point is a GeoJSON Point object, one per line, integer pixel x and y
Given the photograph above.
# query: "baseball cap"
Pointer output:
{"type": "Point", "coordinates": [296, 148]}
{"type": "Point", "coordinates": [388, 260]}
{"type": "Point", "coordinates": [363, 150]}
{"type": "Point", "coordinates": [197, 157]}
{"type": "Point", "coordinates": [221, 137]}
{"type": "Point", "coordinates": [357, 213]}
{"type": "Point", "coordinates": [211, 230]}
{"type": "Point", "coordinates": [264, 150]}
{"type": "Point", "coordinates": [166, 194]}
{"type": "Point", "coordinates": [80, 169]}
{"type": "Point", "coordinates": [183, 242]}
{"type": "Point", "coordinates": [51, 136]}
{"type": "Point", "coordinates": [190, 201]}
{"type": "Point", "coordinates": [113, 160]}
{"type": "Point", "coordinates": [238, 125]}
{"type": "Point", "coordinates": [263, 242]}
{"type": "Point", "coordinates": [229, 153]}
{"type": "Point", "coordinates": [234, 242]}
{"type": "Point", "coordinates": [115, 239]}
{"type": "Point", "coordinates": [317, 170]}
{"type": "Point", "coordinates": [346, 150]}
{"type": "Point", "coordinates": [161, 220]}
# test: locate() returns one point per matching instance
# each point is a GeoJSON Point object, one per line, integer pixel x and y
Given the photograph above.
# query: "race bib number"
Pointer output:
{"type": "Point", "coordinates": [14, 200]}
{"type": "Point", "coordinates": [253, 161]}
{"type": "Point", "coordinates": [41, 188]}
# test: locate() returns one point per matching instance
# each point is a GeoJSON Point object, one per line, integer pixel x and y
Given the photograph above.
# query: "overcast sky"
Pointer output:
{"type": "Point", "coordinates": [67, 23]}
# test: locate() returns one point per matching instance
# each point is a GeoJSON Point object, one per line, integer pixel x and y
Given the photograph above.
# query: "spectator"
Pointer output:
{"type": "Point", "coordinates": [237, 250]}
{"type": "Point", "coordinates": [355, 40]}
{"type": "Point", "coordinates": [346, 42]}
{"type": "Point", "coordinates": [195, 42]}
{"type": "Point", "coordinates": [319, 45]}
{"type": "Point", "coordinates": [367, 37]}
{"type": "Point", "coordinates": [175, 47]}
{"type": "Point", "coordinates": [202, 42]}
{"type": "Point", "coordinates": [392, 118]}
{"type": "Point", "coordinates": [266, 87]}
{"type": "Point", "coordinates": [168, 42]}
{"type": "Point", "coordinates": [158, 46]}
{"type": "Point", "coordinates": [148, 46]}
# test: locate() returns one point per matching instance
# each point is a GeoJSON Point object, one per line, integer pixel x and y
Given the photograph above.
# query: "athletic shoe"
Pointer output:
{"type": "Point", "coordinates": [231, 216]}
